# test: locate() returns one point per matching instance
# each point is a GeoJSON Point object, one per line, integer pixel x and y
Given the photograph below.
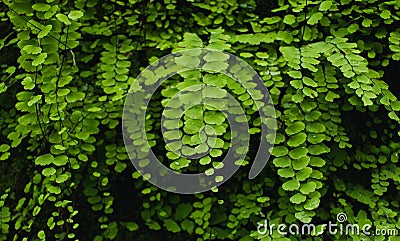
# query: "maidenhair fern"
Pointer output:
{"type": "Point", "coordinates": [65, 72]}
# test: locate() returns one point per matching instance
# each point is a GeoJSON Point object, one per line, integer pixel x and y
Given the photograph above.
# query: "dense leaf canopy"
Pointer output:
{"type": "Point", "coordinates": [331, 67]}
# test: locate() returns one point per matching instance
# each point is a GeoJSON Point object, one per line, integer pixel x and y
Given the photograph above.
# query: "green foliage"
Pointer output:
{"type": "Point", "coordinates": [67, 66]}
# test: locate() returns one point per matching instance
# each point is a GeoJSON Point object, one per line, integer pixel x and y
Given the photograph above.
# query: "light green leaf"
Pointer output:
{"type": "Point", "coordinates": [45, 31]}
{"type": "Point", "coordinates": [318, 149]}
{"type": "Point", "coordinates": [205, 160]}
{"type": "Point", "coordinates": [386, 14]}
{"type": "Point", "coordinates": [39, 59]}
{"type": "Point", "coordinates": [41, 235]}
{"type": "Point", "coordinates": [62, 178]}
{"type": "Point", "coordinates": [331, 96]}
{"type": "Point", "coordinates": [283, 161]}
{"type": "Point", "coordinates": [304, 173]}
{"type": "Point", "coordinates": [62, 18]}
{"type": "Point", "coordinates": [308, 187]}
{"type": "Point", "coordinates": [291, 185]}
{"type": "Point", "coordinates": [188, 61]}
{"type": "Point", "coordinates": [315, 127]}
{"type": "Point", "coordinates": [298, 198]}
{"type": "Point", "coordinates": [75, 96]}
{"type": "Point", "coordinates": [312, 204]}
{"type": "Point", "coordinates": [216, 56]}
{"type": "Point", "coordinates": [310, 92]}
{"type": "Point", "coordinates": [289, 19]}
{"type": "Point", "coordinates": [297, 139]}
{"type": "Point", "coordinates": [32, 49]}
{"type": "Point", "coordinates": [4, 148]}
{"type": "Point", "coordinates": [309, 82]}
{"type": "Point", "coordinates": [286, 172]}
{"type": "Point", "coordinates": [295, 128]}
{"type": "Point", "coordinates": [325, 5]}
{"type": "Point", "coordinates": [172, 226]}
{"type": "Point", "coordinates": [60, 160]}
{"type": "Point", "coordinates": [45, 159]}
{"type": "Point", "coordinates": [75, 14]}
{"type": "Point", "coordinates": [298, 153]}
{"type": "Point", "coordinates": [48, 171]}
{"type": "Point", "coordinates": [131, 226]}
{"type": "Point", "coordinates": [42, 7]}
{"type": "Point", "coordinates": [279, 151]}
{"type": "Point", "coordinates": [315, 18]}
{"type": "Point", "coordinates": [317, 161]}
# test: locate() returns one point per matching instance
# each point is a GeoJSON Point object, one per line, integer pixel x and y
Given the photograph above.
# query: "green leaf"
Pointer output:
{"type": "Point", "coordinates": [308, 188]}
{"type": "Point", "coordinates": [317, 161]}
{"type": "Point", "coordinates": [283, 161]}
{"type": "Point", "coordinates": [216, 56]}
{"type": "Point", "coordinates": [183, 210]}
{"type": "Point", "coordinates": [312, 204]}
{"type": "Point", "coordinates": [191, 40]}
{"type": "Point", "coordinates": [4, 148]}
{"type": "Point", "coordinates": [298, 153]}
{"type": "Point", "coordinates": [53, 189]}
{"type": "Point", "coordinates": [42, 7]}
{"type": "Point", "coordinates": [303, 217]}
{"type": "Point", "coordinates": [297, 139]}
{"type": "Point", "coordinates": [60, 160]}
{"type": "Point", "coordinates": [309, 82]}
{"type": "Point", "coordinates": [94, 109]}
{"type": "Point", "coordinates": [212, 117]}
{"type": "Point", "coordinates": [318, 149]}
{"type": "Point", "coordinates": [34, 100]}
{"type": "Point", "coordinates": [131, 226]}
{"type": "Point", "coordinates": [325, 5]}
{"type": "Point", "coordinates": [215, 66]}
{"type": "Point", "coordinates": [120, 167]}
{"type": "Point", "coordinates": [298, 198]}
{"type": "Point", "coordinates": [205, 160]}
{"type": "Point", "coordinates": [286, 172]}
{"type": "Point", "coordinates": [75, 14]}
{"type": "Point", "coordinates": [172, 226]}
{"type": "Point", "coordinates": [62, 18]}
{"type": "Point", "coordinates": [62, 178]}
{"type": "Point", "coordinates": [295, 74]}
{"type": "Point", "coordinates": [188, 61]}
{"type": "Point", "coordinates": [289, 19]}
{"type": "Point", "coordinates": [310, 92]}
{"type": "Point", "coordinates": [367, 101]}
{"type": "Point", "coordinates": [291, 185]}
{"type": "Point", "coordinates": [331, 96]}
{"type": "Point", "coordinates": [39, 59]}
{"type": "Point", "coordinates": [41, 235]}
{"type": "Point", "coordinates": [213, 92]}
{"type": "Point", "coordinates": [187, 225]}
{"type": "Point", "coordinates": [279, 151]}
{"type": "Point", "coordinates": [366, 22]}
{"type": "Point", "coordinates": [315, 127]}
{"type": "Point", "coordinates": [298, 84]}
{"type": "Point", "coordinates": [75, 96]}
{"type": "Point", "coordinates": [295, 128]}
{"type": "Point", "coordinates": [32, 49]}
{"type": "Point", "coordinates": [315, 18]}
{"type": "Point", "coordinates": [45, 31]}
{"type": "Point", "coordinates": [216, 80]}
{"type": "Point", "coordinates": [304, 173]}
{"type": "Point", "coordinates": [385, 14]}
{"type": "Point", "coordinates": [45, 159]}
{"type": "Point", "coordinates": [48, 171]}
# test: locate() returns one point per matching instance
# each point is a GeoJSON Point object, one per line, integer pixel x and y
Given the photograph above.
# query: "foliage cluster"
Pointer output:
{"type": "Point", "coordinates": [67, 65]}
